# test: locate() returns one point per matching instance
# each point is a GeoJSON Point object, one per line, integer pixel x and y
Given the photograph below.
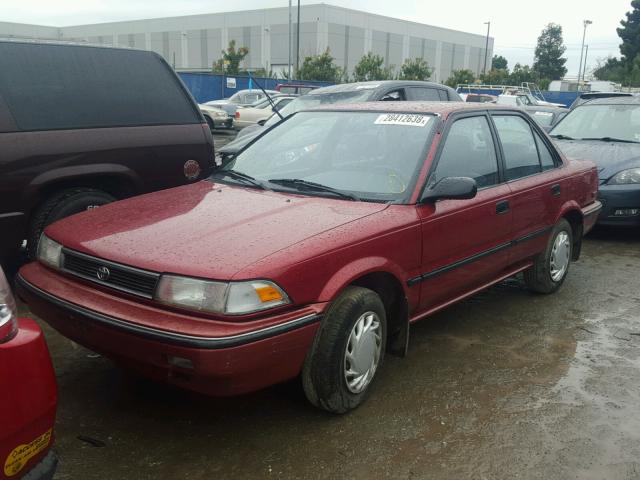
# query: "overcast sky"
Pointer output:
{"type": "Point", "coordinates": [514, 25]}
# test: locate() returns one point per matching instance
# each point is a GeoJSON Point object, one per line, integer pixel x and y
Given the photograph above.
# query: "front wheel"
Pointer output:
{"type": "Point", "coordinates": [61, 205]}
{"type": "Point", "coordinates": [551, 266]}
{"type": "Point", "coordinates": [347, 351]}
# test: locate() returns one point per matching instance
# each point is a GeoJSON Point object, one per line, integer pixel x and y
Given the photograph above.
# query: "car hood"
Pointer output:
{"type": "Point", "coordinates": [204, 229]}
{"type": "Point", "coordinates": [610, 157]}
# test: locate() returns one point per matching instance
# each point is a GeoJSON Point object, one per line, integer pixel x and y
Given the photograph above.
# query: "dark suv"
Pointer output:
{"type": "Point", "coordinates": [82, 126]}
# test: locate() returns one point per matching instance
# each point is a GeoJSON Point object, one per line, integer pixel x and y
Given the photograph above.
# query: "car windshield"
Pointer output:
{"type": "Point", "coordinates": [309, 101]}
{"type": "Point", "coordinates": [601, 122]}
{"type": "Point", "coordinates": [370, 155]}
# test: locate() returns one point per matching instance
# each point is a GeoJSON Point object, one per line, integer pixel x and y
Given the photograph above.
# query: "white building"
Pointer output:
{"type": "Point", "coordinates": [196, 41]}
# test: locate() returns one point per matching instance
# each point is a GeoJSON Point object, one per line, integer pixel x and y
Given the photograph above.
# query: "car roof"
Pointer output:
{"type": "Point", "coordinates": [375, 85]}
{"type": "Point", "coordinates": [439, 108]}
{"type": "Point", "coordinates": [616, 100]}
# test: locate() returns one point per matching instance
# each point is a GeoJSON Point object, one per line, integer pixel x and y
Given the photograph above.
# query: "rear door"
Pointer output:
{"type": "Point", "coordinates": [536, 185]}
{"type": "Point", "coordinates": [464, 241]}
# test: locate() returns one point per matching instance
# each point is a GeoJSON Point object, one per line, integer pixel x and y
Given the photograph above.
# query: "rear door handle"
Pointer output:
{"type": "Point", "coordinates": [502, 207]}
{"type": "Point", "coordinates": [555, 190]}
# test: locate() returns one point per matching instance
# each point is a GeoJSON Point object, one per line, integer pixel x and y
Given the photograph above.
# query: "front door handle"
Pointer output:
{"type": "Point", "coordinates": [555, 190]}
{"type": "Point", "coordinates": [502, 207]}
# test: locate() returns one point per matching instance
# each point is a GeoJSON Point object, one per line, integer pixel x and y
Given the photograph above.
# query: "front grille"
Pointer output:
{"type": "Point", "coordinates": [110, 274]}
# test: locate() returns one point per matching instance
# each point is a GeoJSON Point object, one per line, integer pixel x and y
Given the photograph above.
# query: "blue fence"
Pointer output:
{"type": "Point", "coordinates": [208, 86]}
{"type": "Point", "coordinates": [565, 98]}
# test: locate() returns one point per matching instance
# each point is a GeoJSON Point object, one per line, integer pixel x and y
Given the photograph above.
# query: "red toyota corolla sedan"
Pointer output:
{"type": "Point", "coordinates": [27, 396]}
{"type": "Point", "coordinates": [312, 251]}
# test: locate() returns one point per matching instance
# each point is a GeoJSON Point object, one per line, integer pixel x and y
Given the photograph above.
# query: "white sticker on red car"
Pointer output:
{"type": "Point", "coordinates": [402, 119]}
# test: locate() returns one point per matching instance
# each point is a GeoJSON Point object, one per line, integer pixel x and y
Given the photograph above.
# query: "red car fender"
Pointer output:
{"type": "Point", "coordinates": [356, 269]}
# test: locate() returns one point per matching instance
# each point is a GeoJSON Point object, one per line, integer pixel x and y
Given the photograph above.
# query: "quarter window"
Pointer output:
{"type": "Point", "coordinates": [425, 94]}
{"type": "Point", "coordinates": [518, 146]}
{"type": "Point", "coordinates": [546, 159]}
{"type": "Point", "coordinates": [469, 152]}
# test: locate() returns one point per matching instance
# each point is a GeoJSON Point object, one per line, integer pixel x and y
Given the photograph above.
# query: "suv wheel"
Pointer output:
{"type": "Point", "coordinates": [61, 205]}
{"type": "Point", "coordinates": [551, 266]}
{"type": "Point", "coordinates": [347, 351]}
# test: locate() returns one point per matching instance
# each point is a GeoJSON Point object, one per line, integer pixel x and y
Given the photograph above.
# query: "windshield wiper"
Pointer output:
{"type": "Point", "coordinates": [243, 177]}
{"type": "Point", "coordinates": [610, 139]}
{"type": "Point", "coordinates": [302, 185]}
{"type": "Point", "coordinates": [562, 137]}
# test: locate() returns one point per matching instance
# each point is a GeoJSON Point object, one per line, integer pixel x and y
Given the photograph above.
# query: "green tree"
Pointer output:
{"type": "Point", "coordinates": [523, 73]}
{"type": "Point", "coordinates": [495, 76]}
{"type": "Point", "coordinates": [371, 67]}
{"type": "Point", "coordinates": [231, 58]}
{"type": "Point", "coordinates": [611, 69]}
{"type": "Point", "coordinates": [629, 32]}
{"type": "Point", "coordinates": [460, 76]}
{"type": "Point", "coordinates": [548, 61]}
{"type": "Point", "coordinates": [499, 63]}
{"type": "Point", "coordinates": [320, 67]}
{"type": "Point", "coordinates": [415, 69]}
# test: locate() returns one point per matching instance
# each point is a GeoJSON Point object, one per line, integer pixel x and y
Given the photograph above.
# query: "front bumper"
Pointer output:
{"type": "Point", "coordinates": [220, 361]}
{"type": "Point", "coordinates": [618, 197]}
{"type": "Point", "coordinates": [223, 122]}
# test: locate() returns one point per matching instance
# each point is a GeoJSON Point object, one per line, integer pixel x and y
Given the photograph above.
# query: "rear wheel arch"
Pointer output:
{"type": "Point", "coordinates": [576, 220]}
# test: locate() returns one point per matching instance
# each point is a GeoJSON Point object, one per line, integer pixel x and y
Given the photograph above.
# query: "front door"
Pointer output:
{"type": "Point", "coordinates": [465, 242]}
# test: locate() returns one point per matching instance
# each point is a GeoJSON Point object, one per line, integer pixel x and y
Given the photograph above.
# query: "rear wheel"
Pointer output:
{"type": "Point", "coordinates": [347, 351]}
{"type": "Point", "coordinates": [551, 266]}
{"type": "Point", "coordinates": [61, 205]}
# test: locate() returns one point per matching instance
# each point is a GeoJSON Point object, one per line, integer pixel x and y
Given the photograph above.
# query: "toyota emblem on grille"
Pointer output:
{"type": "Point", "coordinates": [103, 273]}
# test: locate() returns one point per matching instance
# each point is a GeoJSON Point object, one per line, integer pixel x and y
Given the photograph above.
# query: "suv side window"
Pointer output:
{"type": "Point", "coordinates": [394, 96]}
{"type": "Point", "coordinates": [518, 146]}
{"type": "Point", "coordinates": [55, 87]}
{"type": "Point", "coordinates": [424, 94]}
{"type": "Point", "coordinates": [546, 159]}
{"type": "Point", "coordinates": [469, 152]}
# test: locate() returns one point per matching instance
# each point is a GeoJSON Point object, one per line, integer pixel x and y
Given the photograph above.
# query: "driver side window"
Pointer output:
{"type": "Point", "coordinates": [469, 151]}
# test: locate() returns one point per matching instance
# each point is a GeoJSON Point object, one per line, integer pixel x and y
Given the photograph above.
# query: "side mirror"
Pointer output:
{"type": "Point", "coordinates": [451, 188]}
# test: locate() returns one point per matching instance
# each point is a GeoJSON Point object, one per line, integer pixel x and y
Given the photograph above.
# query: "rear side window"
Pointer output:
{"type": "Point", "coordinates": [424, 94]}
{"type": "Point", "coordinates": [49, 87]}
{"type": "Point", "coordinates": [518, 146]}
{"type": "Point", "coordinates": [443, 95]}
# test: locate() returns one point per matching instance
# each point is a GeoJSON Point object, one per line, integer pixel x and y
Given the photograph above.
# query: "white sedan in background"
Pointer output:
{"type": "Point", "coordinates": [252, 114]}
{"type": "Point", "coordinates": [216, 117]}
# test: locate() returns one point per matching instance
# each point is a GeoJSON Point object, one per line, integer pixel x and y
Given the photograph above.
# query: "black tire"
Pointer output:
{"type": "Point", "coordinates": [212, 126]}
{"type": "Point", "coordinates": [323, 377]}
{"type": "Point", "coordinates": [60, 205]}
{"type": "Point", "coordinates": [538, 278]}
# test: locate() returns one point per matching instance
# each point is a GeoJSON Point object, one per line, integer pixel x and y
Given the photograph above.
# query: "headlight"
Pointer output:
{"type": "Point", "coordinates": [233, 298]}
{"type": "Point", "coordinates": [8, 311]}
{"type": "Point", "coordinates": [49, 252]}
{"type": "Point", "coordinates": [625, 177]}
{"type": "Point", "coordinates": [221, 114]}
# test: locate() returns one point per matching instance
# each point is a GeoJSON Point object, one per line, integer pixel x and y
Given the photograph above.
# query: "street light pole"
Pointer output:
{"type": "Point", "coordinates": [584, 32]}
{"type": "Point", "coordinates": [289, 75]}
{"type": "Point", "coordinates": [584, 68]}
{"type": "Point", "coordinates": [486, 48]}
{"type": "Point", "coordinates": [298, 40]}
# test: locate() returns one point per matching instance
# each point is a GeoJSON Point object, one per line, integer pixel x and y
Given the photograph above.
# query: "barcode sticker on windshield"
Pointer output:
{"type": "Point", "coordinates": [402, 119]}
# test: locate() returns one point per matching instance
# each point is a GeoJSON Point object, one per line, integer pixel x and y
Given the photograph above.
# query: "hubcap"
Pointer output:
{"type": "Point", "coordinates": [362, 355]}
{"type": "Point", "coordinates": [560, 256]}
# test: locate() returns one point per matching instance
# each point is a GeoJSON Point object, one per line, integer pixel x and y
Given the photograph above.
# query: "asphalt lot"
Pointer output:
{"type": "Point", "coordinates": [505, 385]}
